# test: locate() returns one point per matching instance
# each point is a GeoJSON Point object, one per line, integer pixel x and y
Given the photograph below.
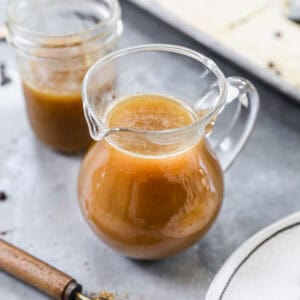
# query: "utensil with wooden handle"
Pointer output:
{"type": "Point", "coordinates": [38, 274]}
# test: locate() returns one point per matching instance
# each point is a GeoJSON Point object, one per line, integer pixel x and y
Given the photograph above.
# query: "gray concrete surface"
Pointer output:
{"type": "Point", "coordinates": [41, 213]}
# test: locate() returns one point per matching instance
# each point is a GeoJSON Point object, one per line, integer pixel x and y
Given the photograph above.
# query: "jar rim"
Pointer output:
{"type": "Point", "coordinates": [55, 40]}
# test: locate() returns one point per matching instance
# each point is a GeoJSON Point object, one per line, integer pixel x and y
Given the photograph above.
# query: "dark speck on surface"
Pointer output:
{"type": "Point", "coordinates": [3, 196]}
{"type": "Point", "coordinates": [271, 65]}
{"type": "Point", "coordinates": [278, 34]}
{"type": "Point", "coordinates": [4, 79]}
{"type": "Point", "coordinates": [5, 232]}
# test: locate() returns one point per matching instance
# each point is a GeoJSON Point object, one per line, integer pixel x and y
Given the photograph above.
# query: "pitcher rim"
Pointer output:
{"type": "Point", "coordinates": [209, 63]}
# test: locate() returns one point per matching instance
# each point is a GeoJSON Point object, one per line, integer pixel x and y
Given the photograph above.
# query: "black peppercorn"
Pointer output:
{"type": "Point", "coordinates": [3, 196]}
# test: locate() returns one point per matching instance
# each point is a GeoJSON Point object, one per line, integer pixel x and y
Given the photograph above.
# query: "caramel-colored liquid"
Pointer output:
{"type": "Point", "coordinates": [150, 207]}
{"type": "Point", "coordinates": [52, 92]}
{"type": "Point", "coordinates": [57, 118]}
{"type": "Point", "coordinates": [149, 112]}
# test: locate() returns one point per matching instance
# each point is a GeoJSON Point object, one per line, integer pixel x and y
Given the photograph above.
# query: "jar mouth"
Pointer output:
{"type": "Point", "coordinates": [28, 36]}
{"type": "Point", "coordinates": [221, 98]}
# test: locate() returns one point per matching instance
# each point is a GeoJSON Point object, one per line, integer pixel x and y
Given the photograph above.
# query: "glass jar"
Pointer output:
{"type": "Point", "coordinates": [56, 42]}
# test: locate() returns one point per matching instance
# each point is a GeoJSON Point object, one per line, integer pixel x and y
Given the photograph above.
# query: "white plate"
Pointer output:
{"type": "Point", "coordinates": [266, 267]}
{"type": "Point", "coordinates": [155, 8]}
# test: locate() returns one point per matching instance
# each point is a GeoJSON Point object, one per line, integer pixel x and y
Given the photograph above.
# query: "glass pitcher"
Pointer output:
{"type": "Point", "coordinates": [150, 194]}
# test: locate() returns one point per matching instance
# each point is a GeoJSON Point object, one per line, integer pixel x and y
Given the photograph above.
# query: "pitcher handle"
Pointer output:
{"type": "Point", "coordinates": [244, 96]}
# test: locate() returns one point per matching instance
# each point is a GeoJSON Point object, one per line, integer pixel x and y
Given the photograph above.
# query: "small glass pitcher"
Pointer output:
{"type": "Point", "coordinates": [158, 200]}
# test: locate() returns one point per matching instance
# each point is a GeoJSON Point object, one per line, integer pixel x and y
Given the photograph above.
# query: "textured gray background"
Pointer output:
{"type": "Point", "coordinates": [41, 213]}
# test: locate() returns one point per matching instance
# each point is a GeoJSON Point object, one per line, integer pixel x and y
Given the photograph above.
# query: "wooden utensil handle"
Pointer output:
{"type": "Point", "coordinates": [37, 273]}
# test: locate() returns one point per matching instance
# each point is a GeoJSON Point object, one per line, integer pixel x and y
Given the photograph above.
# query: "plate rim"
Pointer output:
{"type": "Point", "coordinates": [222, 279]}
